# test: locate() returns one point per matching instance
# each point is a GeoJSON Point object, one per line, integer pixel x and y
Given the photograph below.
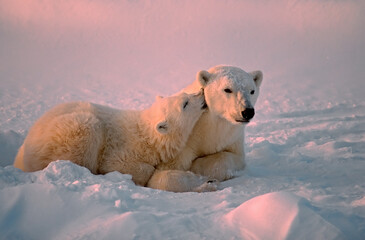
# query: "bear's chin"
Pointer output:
{"type": "Point", "coordinates": [238, 122]}
{"type": "Point", "coordinates": [242, 121]}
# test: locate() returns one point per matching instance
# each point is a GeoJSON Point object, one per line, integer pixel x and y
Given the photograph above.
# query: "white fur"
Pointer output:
{"type": "Point", "coordinates": [105, 139]}
{"type": "Point", "coordinates": [182, 181]}
{"type": "Point", "coordinates": [215, 148]}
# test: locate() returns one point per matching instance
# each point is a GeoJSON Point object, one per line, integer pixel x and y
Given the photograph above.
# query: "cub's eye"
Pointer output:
{"type": "Point", "coordinates": [185, 104]}
{"type": "Point", "coordinates": [227, 90]}
{"type": "Point", "coordinates": [252, 92]}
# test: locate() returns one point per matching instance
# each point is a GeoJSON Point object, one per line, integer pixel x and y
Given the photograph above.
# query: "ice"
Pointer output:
{"type": "Point", "coordinates": [305, 147]}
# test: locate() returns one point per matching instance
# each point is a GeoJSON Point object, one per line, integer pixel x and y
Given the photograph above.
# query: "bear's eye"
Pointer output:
{"type": "Point", "coordinates": [185, 104]}
{"type": "Point", "coordinates": [252, 92]}
{"type": "Point", "coordinates": [227, 90]}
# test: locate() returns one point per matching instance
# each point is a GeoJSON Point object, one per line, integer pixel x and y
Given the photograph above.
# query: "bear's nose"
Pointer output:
{"type": "Point", "coordinates": [248, 113]}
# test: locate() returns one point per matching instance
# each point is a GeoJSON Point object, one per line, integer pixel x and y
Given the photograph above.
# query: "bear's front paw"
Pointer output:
{"type": "Point", "coordinates": [212, 181]}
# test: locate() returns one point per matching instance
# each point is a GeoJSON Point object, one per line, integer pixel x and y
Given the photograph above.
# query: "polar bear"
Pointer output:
{"type": "Point", "coordinates": [215, 148]}
{"type": "Point", "coordinates": [104, 139]}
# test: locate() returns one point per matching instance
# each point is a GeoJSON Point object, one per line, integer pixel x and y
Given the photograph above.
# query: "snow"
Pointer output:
{"type": "Point", "coordinates": [305, 175]}
{"type": "Point", "coordinates": [280, 215]}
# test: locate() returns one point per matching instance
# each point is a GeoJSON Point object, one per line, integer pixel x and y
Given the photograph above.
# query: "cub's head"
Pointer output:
{"type": "Point", "coordinates": [230, 92]}
{"type": "Point", "coordinates": [177, 115]}
{"type": "Point", "coordinates": [171, 121]}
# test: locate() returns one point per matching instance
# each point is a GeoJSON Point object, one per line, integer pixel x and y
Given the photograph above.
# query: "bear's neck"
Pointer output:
{"type": "Point", "coordinates": [226, 131]}
{"type": "Point", "coordinates": [163, 148]}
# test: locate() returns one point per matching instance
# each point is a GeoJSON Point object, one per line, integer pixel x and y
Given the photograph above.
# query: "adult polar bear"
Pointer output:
{"type": "Point", "coordinates": [215, 148]}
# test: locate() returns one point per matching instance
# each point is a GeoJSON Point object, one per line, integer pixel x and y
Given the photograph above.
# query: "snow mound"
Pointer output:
{"type": "Point", "coordinates": [62, 199]}
{"type": "Point", "coordinates": [280, 215]}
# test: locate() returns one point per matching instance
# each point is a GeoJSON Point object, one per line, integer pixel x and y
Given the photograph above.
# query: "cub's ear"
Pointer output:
{"type": "Point", "coordinates": [162, 127]}
{"type": "Point", "coordinates": [257, 77]}
{"type": "Point", "coordinates": [203, 77]}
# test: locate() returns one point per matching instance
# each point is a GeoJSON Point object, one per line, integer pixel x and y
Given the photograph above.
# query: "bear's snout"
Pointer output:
{"type": "Point", "coordinates": [248, 113]}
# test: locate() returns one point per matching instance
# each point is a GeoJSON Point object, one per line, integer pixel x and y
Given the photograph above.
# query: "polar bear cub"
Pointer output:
{"type": "Point", "coordinates": [104, 139]}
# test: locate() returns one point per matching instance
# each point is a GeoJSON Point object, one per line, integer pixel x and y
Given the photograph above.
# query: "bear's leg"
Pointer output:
{"type": "Point", "coordinates": [181, 181]}
{"type": "Point", "coordinates": [76, 137]}
{"type": "Point", "coordinates": [141, 172]}
{"type": "Point", "coordinates": [80, 139]}
{"type": "Point", "coordinates": [221, 166]}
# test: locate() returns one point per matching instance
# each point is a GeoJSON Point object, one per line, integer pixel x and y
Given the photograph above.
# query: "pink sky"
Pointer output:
{"type": "Point", "coordinates": [173, 39]}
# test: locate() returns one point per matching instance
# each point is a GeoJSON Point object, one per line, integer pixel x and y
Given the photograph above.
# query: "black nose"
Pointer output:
{"type": "Point", "coordinates": [248, 113]}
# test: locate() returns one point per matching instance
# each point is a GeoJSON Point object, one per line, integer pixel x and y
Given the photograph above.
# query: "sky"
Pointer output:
{"type": "Point", "coordinates": [42, 42]}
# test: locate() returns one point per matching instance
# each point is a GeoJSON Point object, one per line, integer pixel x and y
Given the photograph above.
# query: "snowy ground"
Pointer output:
{"type": "Point", "coordinates": [305, 148]}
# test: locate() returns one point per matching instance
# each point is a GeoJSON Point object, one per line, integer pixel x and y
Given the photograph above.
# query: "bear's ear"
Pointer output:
{"type": "Point", "coordinates": [158, 98]}
{"type": "Point", "coordinates": [162, 127]}
{"type": "Point", "coordinates": [203, 77]}
{"type": "Point", "coordinates": [257, 77]}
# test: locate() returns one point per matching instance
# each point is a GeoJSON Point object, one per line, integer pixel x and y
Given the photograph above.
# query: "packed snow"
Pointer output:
{"type": "Point", "coordinates": [305, 148]}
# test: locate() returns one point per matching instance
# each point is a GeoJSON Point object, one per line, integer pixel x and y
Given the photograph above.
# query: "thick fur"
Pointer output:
{"type": "Point", "coordinates": [215, 148]}
{"type": "Point", "coordinates": [182, 181]}
{"type": "Point", "coordinates": [104, 139]}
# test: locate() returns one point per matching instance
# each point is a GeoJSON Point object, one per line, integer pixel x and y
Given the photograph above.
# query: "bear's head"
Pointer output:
{"type": "Point", "coordinates": [230, 92]}
{"type": "Point", "coordinates": [175, 116]}
{"type": "Point", "coordinates": [178, 113]}
{"type": "Point", "coordinates": [171, 120]}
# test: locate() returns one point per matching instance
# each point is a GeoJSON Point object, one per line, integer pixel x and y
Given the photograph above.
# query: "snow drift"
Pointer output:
{"type": "Point", "coordinates": [67, 201]}
{"type": "Point", "coordinates": [280, 215]}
